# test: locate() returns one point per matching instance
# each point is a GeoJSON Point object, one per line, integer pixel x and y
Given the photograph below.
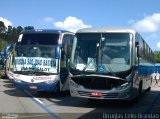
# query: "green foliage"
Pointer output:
{"type": "Point", "coordinates": [2, 27]}
{"type": "Point", "coordinates": [157, 56]}
{"type": "Point", "coordinates": [3, 44]}
{"type": "Point", "coordinates": [10, 34]}
{"type": "Point", "coordinates": [28, 28]}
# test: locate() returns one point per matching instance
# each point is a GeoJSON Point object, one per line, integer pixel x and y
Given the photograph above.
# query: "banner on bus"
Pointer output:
{"type": "Point", "coordinates": [35, 63]}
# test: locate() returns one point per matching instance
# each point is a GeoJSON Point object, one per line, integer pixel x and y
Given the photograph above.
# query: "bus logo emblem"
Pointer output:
{"type": "Point", "coordinates": [32, 80]}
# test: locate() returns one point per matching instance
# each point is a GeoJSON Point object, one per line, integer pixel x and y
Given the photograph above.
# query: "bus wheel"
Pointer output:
{"type": "Point", "coordinates": [148, 89]}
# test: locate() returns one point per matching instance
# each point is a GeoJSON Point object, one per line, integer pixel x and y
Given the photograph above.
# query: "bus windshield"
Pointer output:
{"type": "Point", "coordinates": [102, 52]}
{"type": "Point", "coordinates": [40, 38]}
{"type": "Point", "coordinates": [35, 53]}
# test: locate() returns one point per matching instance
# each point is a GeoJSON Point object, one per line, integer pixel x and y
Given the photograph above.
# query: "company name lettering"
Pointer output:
{"type": "Point", "coordinates": [36, 62]}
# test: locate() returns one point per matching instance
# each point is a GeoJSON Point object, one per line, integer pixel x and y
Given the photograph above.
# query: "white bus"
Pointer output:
{"type": "Point", "coordinates": [110, 63]}
{"type": "Point", "coordinates": [39, 60]}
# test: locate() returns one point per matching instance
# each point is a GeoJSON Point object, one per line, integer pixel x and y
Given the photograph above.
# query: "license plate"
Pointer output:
{"type": "Point", "coordinates": [33, 87]}
{"type": "Point", "coordinates": [96, 94]}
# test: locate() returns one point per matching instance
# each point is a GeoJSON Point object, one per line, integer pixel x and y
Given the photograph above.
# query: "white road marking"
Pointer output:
{"type": "Point", "coordinates": [33, 97]}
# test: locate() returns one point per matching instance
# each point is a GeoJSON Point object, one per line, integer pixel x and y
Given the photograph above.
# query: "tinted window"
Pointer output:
{"type": "Point", "coordinates": [40, 39]}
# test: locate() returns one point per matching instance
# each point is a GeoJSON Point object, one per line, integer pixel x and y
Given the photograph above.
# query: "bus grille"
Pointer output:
{"type": "Point", "coordinates": [98, 83]}
{"type": "Point", "coordinates": [104, 95]}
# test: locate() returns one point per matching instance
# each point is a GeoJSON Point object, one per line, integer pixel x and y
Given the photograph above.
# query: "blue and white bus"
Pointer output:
{"type": "Point", "coordinates": [110, 63]}
{"type": "Point", "coordinates": [39, 60]}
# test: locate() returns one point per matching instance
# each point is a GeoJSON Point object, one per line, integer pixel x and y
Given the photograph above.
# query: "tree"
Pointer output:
{"type": "Point", "coordinates": [28, 28]}
{"type": "Point", "coordinates": [2, 27]}
{"type": "Point", "coordinates": [157, 56]}
{"type": "Point", "coordinates": [19, 29]}
{"type": "Point", "coordinates": [9, 29]}
{"type": "Point", "coordinates": [3, 44]}
{"type": "Point", "coordinates": [11, 34]}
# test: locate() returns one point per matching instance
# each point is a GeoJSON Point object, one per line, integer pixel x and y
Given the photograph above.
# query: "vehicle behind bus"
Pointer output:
{"type": "Point", "coordinates": [39, 60]}
{"type": "Point", "coordinates": [110, 63]}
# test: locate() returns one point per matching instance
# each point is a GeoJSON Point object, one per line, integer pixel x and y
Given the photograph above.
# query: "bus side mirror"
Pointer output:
{"type": "Point", "coordinates": [6, 50]}
{"type": "Point", "coordinates": [57, 52]}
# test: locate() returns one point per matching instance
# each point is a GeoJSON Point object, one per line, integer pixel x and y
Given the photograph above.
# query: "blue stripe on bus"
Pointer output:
{"type": "Point", "coordinates": [40, 86]}
{"type": "Point", "coordinates": [145, 70]}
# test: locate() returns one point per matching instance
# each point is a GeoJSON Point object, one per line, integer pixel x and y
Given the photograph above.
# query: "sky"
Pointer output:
{"type": "Point", "coordinates": [142, 15]}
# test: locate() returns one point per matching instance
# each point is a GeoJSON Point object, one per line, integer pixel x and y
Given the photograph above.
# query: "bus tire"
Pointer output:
{"type": "Point", "coordinates": [148, 89]}
{"type": "Point", "coordinates": [136, 99]}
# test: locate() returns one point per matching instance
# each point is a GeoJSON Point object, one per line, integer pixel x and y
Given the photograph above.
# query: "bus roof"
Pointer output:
{"type": "Point", "coordinates": [44, 31]}
{"type": "Point", "coordinates": [105, 29]}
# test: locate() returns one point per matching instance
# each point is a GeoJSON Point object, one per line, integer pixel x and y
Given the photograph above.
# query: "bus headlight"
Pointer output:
{"type": "Point", "coordinates": [72, 83]}
{"type": "Point", "coordinates": [17, 78]}
{"type": "Point", "coordinates": [123, 86]}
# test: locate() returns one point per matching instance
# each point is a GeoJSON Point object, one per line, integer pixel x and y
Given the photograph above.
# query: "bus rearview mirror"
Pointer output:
{"type": "Point", "coordinates": [57, 52]}
{"type": "Point", "coordinates": [6, 50]}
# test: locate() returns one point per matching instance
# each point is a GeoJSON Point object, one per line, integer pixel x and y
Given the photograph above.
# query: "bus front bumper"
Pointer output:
{"type": "Point", "coordinates": [48, 87]}
{"type": "Point", "coordinates": [113, 94]}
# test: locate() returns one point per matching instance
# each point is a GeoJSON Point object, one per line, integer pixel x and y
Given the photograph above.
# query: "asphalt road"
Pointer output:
{"type": "Point", "coordinates": [16, 103]}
